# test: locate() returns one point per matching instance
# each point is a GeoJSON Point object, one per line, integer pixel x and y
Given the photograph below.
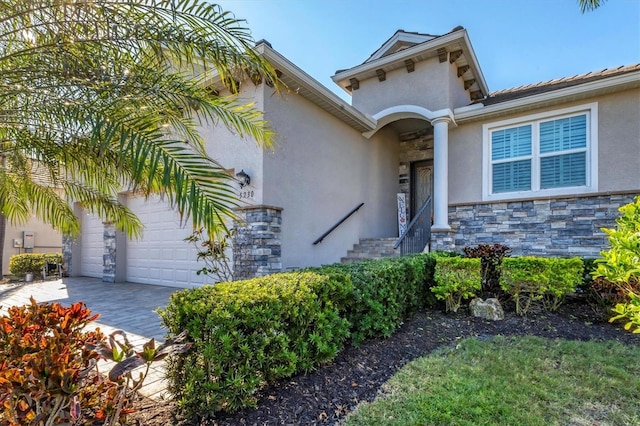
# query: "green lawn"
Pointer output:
{"type": "Point", "coordinates": [513, 381]}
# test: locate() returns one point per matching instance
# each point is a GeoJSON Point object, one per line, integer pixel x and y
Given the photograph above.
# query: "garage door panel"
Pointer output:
{"type": "Point", "coordinates": [161, 256]}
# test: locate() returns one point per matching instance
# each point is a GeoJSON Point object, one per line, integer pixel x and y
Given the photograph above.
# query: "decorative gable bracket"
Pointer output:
{"type": "Point", "coordinates": [442, 54]}
{"type": "Point", "coordinates": [453, 56]}
{"type": "Point", "coordinates": [410, 64]}
{"type": "Point", "coordinates": [463, 69]}
{"type": "Point", "coordinates": [469, 83]}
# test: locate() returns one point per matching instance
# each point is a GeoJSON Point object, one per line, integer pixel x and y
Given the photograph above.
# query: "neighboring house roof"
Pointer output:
{"type": "Point", "coordinates": [551, 85]}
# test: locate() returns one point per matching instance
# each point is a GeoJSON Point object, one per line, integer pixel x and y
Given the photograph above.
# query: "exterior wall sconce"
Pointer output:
{"type": "Point", "coordinates": [243, 178]}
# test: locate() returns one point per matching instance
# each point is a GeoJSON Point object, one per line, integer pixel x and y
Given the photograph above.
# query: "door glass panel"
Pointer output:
{"type": "Point", "coordinates": [421, 184]}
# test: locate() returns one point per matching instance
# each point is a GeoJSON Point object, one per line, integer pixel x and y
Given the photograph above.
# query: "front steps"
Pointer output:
{"type": "Point", "coordinates": [372, 248]}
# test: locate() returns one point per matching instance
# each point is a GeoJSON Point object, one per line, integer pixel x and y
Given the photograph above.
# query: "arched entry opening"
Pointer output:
{"type": "Point", "coordinates": [423, 135]}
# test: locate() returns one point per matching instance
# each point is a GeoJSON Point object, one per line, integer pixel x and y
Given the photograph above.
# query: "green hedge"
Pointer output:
{"type": "Point", "coordinates": [20, 264]}
{"type": "Point", "coordinates": [249, 333]}
{"type": "Point", "coordinates": [540, 281]}
{"type": "Point", "coordinates": [386, 292]}
{"type": "Point", "coordinates": [456, 279]}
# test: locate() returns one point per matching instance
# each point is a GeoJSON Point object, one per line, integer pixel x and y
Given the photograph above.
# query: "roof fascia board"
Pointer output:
{"type": "Point", "coordinates": [475, 64]}
{"type": "Point", "coordinates": [471, 112]}
{"type": "Point", "coordinates": [282, 63]}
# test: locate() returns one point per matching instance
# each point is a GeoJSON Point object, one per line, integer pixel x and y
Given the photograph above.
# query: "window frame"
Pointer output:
{"type": "Point", "coordinates": [591, 150]}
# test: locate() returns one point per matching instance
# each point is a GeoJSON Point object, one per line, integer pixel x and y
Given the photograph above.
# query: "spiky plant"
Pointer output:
{"type": "Point", "coordinates": [102, 96]}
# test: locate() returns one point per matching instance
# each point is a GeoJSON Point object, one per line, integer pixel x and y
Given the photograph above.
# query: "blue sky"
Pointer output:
{"type": "Point", "coordinates": [517, 42]}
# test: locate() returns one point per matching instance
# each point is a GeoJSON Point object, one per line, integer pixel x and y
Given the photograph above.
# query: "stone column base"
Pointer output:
{"type": "Point", "coordinates": [257, 245]}
{"type": "Point", "coordinates": [442, 240]}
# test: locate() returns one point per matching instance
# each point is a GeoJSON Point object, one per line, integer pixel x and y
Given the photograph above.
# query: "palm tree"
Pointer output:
{"type": "Point", "coordinates": [589, 5]}
{"type": "Point", "coordinates": [103, 96]}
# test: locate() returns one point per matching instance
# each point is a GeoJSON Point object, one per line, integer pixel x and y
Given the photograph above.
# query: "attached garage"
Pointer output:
{"type": "Point", "coordinates": [161, 256]}
{"type": "Point", "coordinates": [92, 246]}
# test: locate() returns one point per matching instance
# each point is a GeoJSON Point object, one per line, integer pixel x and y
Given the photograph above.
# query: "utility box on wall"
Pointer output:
{"type": "Point", "coordinates": [28, 239]}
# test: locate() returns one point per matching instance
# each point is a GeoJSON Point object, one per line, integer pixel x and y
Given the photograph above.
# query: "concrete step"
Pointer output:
{"type": "Point", "coordinates": [371, 248]}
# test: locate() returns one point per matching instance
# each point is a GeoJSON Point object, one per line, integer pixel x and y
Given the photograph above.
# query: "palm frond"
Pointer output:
{"type": "Point", "coordinates": [108, 96]}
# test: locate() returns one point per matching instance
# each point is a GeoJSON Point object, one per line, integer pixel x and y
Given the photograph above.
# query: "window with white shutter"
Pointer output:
{"type": "Point", "coordinates": [553, 153]}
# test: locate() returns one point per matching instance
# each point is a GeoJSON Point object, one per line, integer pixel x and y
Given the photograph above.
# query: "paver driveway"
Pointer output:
{"type": "Point", "coordinates": [125, 306]}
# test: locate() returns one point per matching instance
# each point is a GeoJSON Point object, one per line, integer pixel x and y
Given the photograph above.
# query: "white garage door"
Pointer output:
{"type": "Point", "coordinates": [92, 246]}
{"type": "Point", "coordinates": [162, 256]}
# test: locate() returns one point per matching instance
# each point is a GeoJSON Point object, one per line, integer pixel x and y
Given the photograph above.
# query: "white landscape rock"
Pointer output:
{"type": "Point", "coordinates": [488, 309]}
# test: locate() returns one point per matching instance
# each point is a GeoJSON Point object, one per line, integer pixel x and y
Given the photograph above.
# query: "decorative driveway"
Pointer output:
{"type": "Point", "coordinates": [125, 306]}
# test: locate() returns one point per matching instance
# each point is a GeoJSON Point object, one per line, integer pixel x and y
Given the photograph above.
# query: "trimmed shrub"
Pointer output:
{"type": "Point", "coordinates": [385, 292]}
{"type": "Point", "coordinates": [456, 279]}
{"type": "Point", "coordinates": [248, 333]}
{"type": "Point", "coordinates": [20, 264]}
{"type": "Point", "coordinates": [540, 282]}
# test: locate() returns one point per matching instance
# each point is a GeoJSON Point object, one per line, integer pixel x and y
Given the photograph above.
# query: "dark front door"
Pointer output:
{"type": "Point", "coordinates": [421, 185]}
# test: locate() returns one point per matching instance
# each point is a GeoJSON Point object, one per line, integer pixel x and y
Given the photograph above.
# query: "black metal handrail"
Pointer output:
{"type": "Point", "coordinates": [330, 230]}
{"type": "Point", "coordinates": [418, 234]}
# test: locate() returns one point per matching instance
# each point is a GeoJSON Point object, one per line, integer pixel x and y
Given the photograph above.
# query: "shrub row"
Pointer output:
{"type": "Point", "coordinates": [385, 292]}
{"type": "Point", "coordinates": [249, 333]}
{"type": "Point", "coordinates": [530, 281]}
{"type": "Point", "coordinates": [20, 264]}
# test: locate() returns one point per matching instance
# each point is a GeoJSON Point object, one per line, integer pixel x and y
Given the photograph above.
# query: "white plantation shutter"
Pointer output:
{"type": "Point", "coordinates": [543, 154]}
{"type": "Point", "coordinates": [511, 157]}
{"type": "Point", "coordinates": [563, 170]}
{"type": "Point", "coordinates": [563, 146]}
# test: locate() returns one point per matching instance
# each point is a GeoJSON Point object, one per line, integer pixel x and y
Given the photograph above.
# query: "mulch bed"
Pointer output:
{"type": "Point", "coordinates": [326, 395]}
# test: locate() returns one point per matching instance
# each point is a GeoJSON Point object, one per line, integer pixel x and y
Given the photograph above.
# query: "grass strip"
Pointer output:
{"type": "Point", "coordinates": [519, 380]}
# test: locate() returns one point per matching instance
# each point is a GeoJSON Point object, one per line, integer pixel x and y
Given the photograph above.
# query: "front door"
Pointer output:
{"type": "Point", "coordinates": [421, 185]}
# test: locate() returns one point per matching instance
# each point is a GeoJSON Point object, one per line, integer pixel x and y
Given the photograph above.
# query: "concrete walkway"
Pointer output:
{"type": "Point", "coordinates": [122, 306]}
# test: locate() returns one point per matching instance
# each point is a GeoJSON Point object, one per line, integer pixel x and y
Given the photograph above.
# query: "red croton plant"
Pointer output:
{"type": "Point", "coordinates": [48, 372]}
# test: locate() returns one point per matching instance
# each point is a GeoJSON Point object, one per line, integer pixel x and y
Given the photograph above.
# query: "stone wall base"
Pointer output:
{"type": "Point", "coordinates": [568, 226]}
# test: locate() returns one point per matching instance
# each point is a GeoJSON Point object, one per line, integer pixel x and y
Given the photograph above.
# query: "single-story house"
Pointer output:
{"type": "Point", "coordinates": [540, 168]}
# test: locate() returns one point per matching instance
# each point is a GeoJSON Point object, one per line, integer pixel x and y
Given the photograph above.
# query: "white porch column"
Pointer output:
{"type": "Point", "coordinates": [441, 173]}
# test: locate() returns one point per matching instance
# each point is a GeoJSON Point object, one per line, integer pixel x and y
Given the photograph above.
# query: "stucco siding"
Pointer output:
{"type": "Point", "coordinates": [618, 151]}
{"type": "Point", "coordinates": [422, 87]}
{"type": "Point", "coordinates": [232, 151]}
{"type": "Point", "coordinates": [458, 96]}
{"type": "Point", "coordinates": [321, 169]}
{"type": "Point", "coordinates": [465, 163]}
{"type": "Point", "coordinates": [619, 141]}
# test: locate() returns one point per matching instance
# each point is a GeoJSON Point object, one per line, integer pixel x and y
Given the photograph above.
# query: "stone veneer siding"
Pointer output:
{"type": "Point", "coordinates": [109, 255]}
{"type": "Point", "coordinates": [567, 226]}
{"type": "Point", "coordinates": [257, 245]}
{"type": "Point", "coordinates": [67, 249]}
